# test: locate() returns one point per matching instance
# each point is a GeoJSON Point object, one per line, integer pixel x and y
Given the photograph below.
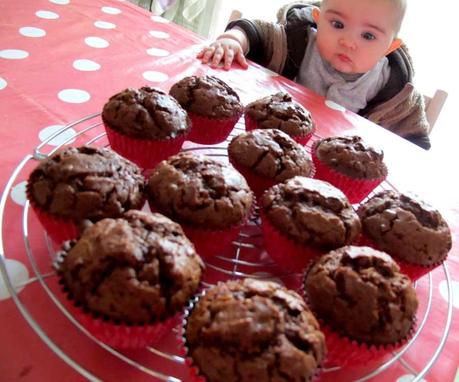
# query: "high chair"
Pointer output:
{"type": "Point", "coordinates": [434, 105]}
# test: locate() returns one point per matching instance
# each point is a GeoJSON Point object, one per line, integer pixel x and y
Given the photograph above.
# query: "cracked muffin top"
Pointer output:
{"type": "Point", "coordinates": [86, 183]}
{"type": "Point", "coordinates": [253, 330]}
{"type": "Point", "coordinates": [406, 227]}
{"type": "Point", "coordinates": [279, 111]}
{"type": "Point", "coordinates": [351, 156]}
{"type": "Point", "coordinates": [137, 269]}
{"type": "Point", "coordinates": [146, 113]}
{"type": "Point", "coordinates": [311, 212]}
{"type": "Point", "coordinates": [198, 190]}
{"type": "Point", "coordinates": [270, 153]}
{"type": "Point", "coordinates": [207, 96]}
{"type": "Point", "coordinates": [361, 294]}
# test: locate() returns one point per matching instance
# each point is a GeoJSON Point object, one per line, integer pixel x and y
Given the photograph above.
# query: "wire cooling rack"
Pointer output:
{"type": "Point", "coordinates": [246, 258]}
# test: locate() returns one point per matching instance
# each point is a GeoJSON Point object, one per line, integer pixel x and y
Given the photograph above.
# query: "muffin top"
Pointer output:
{"type": "Point", "coordinates": [146, 113]}
{"type": "Point", "coordinates": [351, 156]}
{"type": "Point", "coordinates": [198, 190]}
{"type": "Point", "coordinates": [86, 183]}
{"type": "Point", "coordinates": [361, 294]}
{"type": "Point", "coordinates": [253, 330]}
{"type": "Point", "coordinates": [270, 153]}
{"type": "Point", "coordinates": [279, 111]}
{"type": "Point", "coordinates": [137, 269]}
{"type": "Point", "coordinates": [207, 96]}
{"type": "Point", "coordinates": [406, 227]}
{"type": "Point", "coordinates": [311, 212]}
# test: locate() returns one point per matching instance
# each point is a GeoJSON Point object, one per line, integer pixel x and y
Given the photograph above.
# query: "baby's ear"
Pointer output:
{"type": "Point", "coordinates": [396, 43]}
{"type": "Point", "coordinates": [315, 14]}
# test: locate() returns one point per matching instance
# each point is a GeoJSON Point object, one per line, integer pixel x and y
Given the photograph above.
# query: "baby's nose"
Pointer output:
{"type": "Point", "coordinates": [348, 42]}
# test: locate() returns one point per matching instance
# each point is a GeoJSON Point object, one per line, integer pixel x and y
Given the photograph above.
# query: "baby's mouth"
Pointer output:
{"type": "Point", "coordinates": [344, 58]}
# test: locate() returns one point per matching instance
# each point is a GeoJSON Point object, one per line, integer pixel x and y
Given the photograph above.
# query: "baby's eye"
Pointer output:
{"type": "Point", "coordinates": [337, 24]}
{"type": "Point", "coordinates": [368, 36]}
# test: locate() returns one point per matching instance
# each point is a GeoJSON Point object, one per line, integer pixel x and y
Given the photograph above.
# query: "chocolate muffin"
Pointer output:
{"type": "Point", "coordinates": [271, 154]}
{"type": "Point", "coordinates": [213, 106]}
{"type": "Point", "coordinates": [207, 96]}
{"type": "Point", "coordinates": [146, 113]}
{"type": "Point", "coordinates": [406, 227]}
{"type": "Point", "coordinates": [279, 111]}
{"type": "Point", "coordinates": [311, 212]}
{"type": "Point", "coordinates": [81, 183]}
{"type": "Point", "coordinates": [351, 156]}
{"type": "Point", "coordinates": [199, 191]}
{"type": "Point", "coordinates": [137, 269]}
{"type": "Point", "coordinates": [253, 330]}
{"type": "Point", "coordinates": [360, 293]}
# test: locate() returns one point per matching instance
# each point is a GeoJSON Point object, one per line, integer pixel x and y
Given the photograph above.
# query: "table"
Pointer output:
{"type": "Point", "coordinates": [60, 60]}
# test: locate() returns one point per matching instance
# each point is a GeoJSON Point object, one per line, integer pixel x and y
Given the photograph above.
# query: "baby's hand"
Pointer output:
{"type": "Point", "coordinates": [224, 49]}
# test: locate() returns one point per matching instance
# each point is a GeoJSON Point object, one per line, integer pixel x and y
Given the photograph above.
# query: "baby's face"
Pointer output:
{"type": "Point", "coordinates": [353, 35]}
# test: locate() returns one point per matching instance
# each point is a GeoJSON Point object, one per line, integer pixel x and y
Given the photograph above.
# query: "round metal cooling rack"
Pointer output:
{"type": "Point", "coordinates": [246, 258]}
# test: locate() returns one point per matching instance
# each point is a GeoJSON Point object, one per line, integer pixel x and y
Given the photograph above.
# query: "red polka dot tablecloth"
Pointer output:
{"type": "Point", "coordinates": [60, 60]}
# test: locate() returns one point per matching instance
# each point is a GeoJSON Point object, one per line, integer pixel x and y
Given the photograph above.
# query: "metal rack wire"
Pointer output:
{"type": "Point", "coordinates": [246, 258]}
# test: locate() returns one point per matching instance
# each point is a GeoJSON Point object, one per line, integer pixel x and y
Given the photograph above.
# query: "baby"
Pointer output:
{"type": "Point", "coordinates": [345, 50]}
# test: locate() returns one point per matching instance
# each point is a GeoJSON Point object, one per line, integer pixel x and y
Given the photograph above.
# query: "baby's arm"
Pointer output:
{"type": "Point", "coordinates": [228, 47]}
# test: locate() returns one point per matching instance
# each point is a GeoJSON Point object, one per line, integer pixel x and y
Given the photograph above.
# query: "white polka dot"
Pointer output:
{"type": "Point", "coordinates": [86, 65]}
{"type": "Point", "coordinates": [111, 10]}
{"type": "Point", "coordinates": [60, 2]}
{"type": "Point", "coordinates": [408, 378]}
{"type": "Point", "coordinates": [334, 105]}
{"type": "Point", "coordinates": [32, 32]}
{"type": "Point", "coordinates": [13, 54]}
{"type": "Point", "coordinates": [18, 193]}
{"type": "Point", "coordinates": [153, 76]}
{"type": "Point", "coordinates": [155, 52]}
{"type": "Point", "coordinates": [74, 96]}
{"type": "Point", "coordinates": [3, 83]}
{"type": "Point", "coordinates": [96, 42]}
{"type": "Point", "coordinates": [18, 275]}
{"type": "Point", "coordinates": [444, 292]}
{"type": "Point", "coordinates": [47, 15]}
{"type": "Point", "coordinates": [159, 34]}
{"type": "Point", "coordinates": [68, 136]}
{"type": "Point", "coordinates": [160, 19]}
{"type": "Point", "coordinates": [104, 25]}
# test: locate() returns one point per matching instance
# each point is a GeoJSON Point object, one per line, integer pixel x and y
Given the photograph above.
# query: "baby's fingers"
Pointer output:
{"type": "Point", "coordinates": [229, 57]}
{"type": "Point", "coordinates": [240, 58]}
{"type": "Point", "coordinates": [207, 54]}
{"type": "Point", "coordinates": [218, 54]}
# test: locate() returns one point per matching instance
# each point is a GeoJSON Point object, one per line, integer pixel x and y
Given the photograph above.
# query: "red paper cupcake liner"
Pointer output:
{"type": "Point", "coordinates": [343, 351]}
{"type": "Point", "coordinates": [145, 153]}
{"type": "Point", "coordinates": [257, 183]}
{"type": "Point", "coordinates": [209, 131]}
{"type": "Point", "coordinates": [58, 229]}
{"type": "Point", "coordinates": [208, 242]}
{"type": "Point", "coordinates": [413, 271]}
{"type": "Point", "coordinates": [355, 189]}
{"type": "Point", "coordinates": [122, 336]}
{"type": "Point", "coordinates": [288, 255]}
{"type": "Point", "coordinates": [251, 124]}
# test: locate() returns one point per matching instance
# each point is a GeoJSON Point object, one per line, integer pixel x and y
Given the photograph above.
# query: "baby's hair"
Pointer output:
{"type": "Point", "coordinates": [402, 9]}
